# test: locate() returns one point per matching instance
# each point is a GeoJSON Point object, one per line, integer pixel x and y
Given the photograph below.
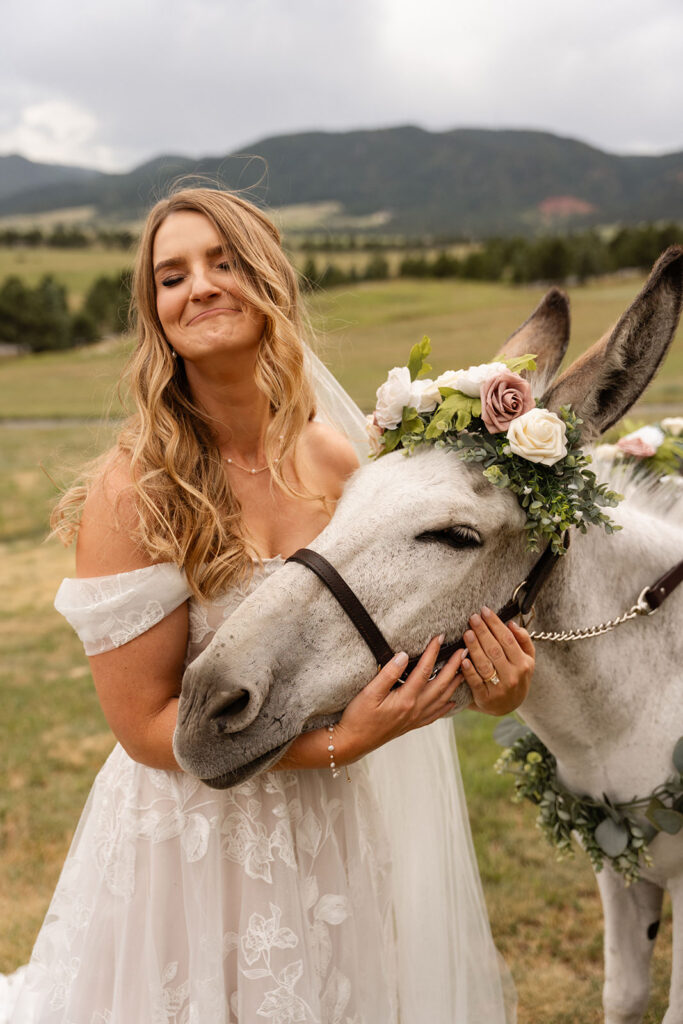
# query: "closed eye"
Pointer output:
{"type": "Point", "coordinates": [455, 536]}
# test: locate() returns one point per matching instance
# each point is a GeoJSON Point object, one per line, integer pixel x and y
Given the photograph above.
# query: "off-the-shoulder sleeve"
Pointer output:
{"type": "Point", "coordinates": [108, 611]}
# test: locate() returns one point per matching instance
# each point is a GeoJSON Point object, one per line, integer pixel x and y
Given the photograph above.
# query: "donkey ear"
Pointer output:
{"type": "Point", "coordinates": [606, 380]}
{"type": "Point", "coordinates": [545, 333]}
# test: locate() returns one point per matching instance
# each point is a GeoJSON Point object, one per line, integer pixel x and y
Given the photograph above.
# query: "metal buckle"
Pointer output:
{"type": "Point", "coordinates": [524, 620]}
{"type": "Point", "coordinates": [642, 606]}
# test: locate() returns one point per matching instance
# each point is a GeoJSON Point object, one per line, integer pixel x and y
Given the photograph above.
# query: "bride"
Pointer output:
{"type": "Point", "coordinates": [295, 897]}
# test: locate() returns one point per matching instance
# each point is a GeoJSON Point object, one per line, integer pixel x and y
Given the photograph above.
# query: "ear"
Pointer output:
{"type": "Point", "coordinates": [606, 380]}
{"type": "Point", "coordinates": [545, 333]}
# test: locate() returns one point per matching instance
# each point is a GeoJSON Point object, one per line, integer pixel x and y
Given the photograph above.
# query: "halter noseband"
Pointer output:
{"type": "Point", "coordinates": [521, 602]}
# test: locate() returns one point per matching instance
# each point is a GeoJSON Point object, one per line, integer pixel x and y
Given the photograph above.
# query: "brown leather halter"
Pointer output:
{"type": "Point", "coordinates": [521, 602]}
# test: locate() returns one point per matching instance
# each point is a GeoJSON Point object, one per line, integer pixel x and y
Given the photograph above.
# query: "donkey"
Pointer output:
{"type": "Point", "coordinates": [434, 531]}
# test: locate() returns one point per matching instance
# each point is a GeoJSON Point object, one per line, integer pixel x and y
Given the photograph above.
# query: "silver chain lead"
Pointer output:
{"type": "Point", "coordinates": [641, 607]}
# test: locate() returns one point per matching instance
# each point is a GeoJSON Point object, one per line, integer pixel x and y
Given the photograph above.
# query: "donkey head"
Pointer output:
{"type": "Point", "coordinates": [423, 541]}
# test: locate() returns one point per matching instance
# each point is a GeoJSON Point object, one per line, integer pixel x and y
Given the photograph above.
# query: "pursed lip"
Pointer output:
{"type": "Point", "coordinates": [212, 312]}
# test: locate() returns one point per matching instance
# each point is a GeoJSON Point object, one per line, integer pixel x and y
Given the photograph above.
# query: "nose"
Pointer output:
{"type": "Point", "coordinates": [203, 287]}
{"type": "Point", "coordinates": [212, 703]}
{"type": "Point", "coordinates": [234, 709]}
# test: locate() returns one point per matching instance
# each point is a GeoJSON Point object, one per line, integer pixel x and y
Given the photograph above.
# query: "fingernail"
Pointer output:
{"type": "Point", "coordinates": [401, 659]}
{"type": "Point", "coordinates": [441, 637]}
{"type": "Point", "coordinates": [469, 636]}
{"type": "Point", "coordinates": [466, 663]}
{"type": "Point", "coordinates": [475, 619]}
{"type": "Point", "coordinates": [486, 610]}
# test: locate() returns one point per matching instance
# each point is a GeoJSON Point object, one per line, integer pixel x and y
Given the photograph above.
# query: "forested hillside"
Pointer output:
{"type": "Point", "coordinates": [466, 182]}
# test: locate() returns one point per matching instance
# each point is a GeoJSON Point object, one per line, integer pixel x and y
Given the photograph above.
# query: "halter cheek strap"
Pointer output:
{"type": "Point", "coordinates": [521, 602]}
{"type": "Point", "coordinates": [354, 608]}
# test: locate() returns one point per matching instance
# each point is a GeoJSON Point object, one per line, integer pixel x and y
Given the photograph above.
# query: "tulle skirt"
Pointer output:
{"type": "Point", "coordinates": [294, 897]}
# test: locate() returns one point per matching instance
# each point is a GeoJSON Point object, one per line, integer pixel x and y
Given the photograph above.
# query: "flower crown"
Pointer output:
{"type": "Point", "coordinates": [656, 448]}
{"type": "Point", "coordinates": [487, 414]}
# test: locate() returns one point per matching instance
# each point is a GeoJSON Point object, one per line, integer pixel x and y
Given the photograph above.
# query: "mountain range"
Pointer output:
{"type": "Point", "coordinates": [465, 182]}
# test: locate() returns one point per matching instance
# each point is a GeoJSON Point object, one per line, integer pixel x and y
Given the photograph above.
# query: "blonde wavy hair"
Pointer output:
{"type": "Point", "coordinates": [187, 511]}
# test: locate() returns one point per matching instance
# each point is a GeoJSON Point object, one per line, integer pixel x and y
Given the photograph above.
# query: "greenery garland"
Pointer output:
{"type": "Point", "coordinates": [605, 829]}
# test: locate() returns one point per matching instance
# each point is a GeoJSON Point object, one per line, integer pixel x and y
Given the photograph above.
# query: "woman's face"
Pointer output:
{"type": "Point", "coordinates": [199, 302]}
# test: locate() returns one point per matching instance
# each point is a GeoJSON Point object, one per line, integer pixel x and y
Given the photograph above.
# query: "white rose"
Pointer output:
{"type": "Point", "coordinates": [470, 381]}
{"type": "Point", "coordinates": [392, 396]}
{"type": "Point", "coordinates": [674, 425]}
{"type": "Point", "coordinates": [449, 379]}
{"type": "Point", "coordinates": [649, 435]}
{"type": "Point", "coordinates": [424, 395]}
{"type": "Point", "coordinates": [539, 436]}
{"type": "Point", "coordinates": [374, 435]}
{"type": "Point", "coordinates": [608, 452]}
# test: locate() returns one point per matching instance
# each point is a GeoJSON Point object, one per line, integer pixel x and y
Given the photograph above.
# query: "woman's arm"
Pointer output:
{"type": "Point", "coordinates": [379, 713]}
{"type": "Point", "coordinates": [138, 684]}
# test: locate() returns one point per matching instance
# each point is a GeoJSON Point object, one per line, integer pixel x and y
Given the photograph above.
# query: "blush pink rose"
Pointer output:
{"type": "Point", "coordinates": [636, 446]}
{"type": "Point", "coordinates": [504, 397]}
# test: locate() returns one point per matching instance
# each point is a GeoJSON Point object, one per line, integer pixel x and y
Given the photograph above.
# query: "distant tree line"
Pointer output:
{"type": "Point", "coordinates": [68, 237]}
{"type": "Point", "coordinates": [518, 260]}
{"type": "Point", "coordinates": [38, 319]}
{"type": "Point", "coordinates": [376, 243]}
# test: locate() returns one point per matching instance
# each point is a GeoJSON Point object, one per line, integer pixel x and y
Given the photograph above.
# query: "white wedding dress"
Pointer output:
{"type": "Point", "coordinates": [294, 898]}
{"type": "Point", "coordinates": [279, 900]}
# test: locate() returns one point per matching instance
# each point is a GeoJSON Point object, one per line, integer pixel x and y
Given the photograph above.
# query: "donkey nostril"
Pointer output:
{"type": "Point", "coordinates": [234, 711]}
{"type": "Point", "coordinates": [232, 705]}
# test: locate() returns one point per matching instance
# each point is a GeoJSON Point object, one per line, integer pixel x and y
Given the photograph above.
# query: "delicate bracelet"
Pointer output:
{"type": "Point", "coordinates": [333, 765]}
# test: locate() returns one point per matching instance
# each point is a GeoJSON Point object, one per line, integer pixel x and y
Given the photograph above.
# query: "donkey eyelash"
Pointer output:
{"type": "Point", "coordinates": [459, 537]}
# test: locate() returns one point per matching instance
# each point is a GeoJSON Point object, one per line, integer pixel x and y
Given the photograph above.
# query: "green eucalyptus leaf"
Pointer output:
{"type": "Point", "coordinates": [678, 756]}
{"type": "Point", "coordinates": [612, 837]}
{"type": "Point", "coordinates": [416, 359]}
{"type": "Point", "coordinates": [667, 820]}
{"type": "Point", "coordinates": [654, 805]}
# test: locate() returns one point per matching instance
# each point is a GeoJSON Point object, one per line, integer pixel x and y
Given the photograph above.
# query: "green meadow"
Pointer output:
{"type": "Point", "coordinates": [75, 268]}
{"type": "Point", "coordinates": [545, 915]}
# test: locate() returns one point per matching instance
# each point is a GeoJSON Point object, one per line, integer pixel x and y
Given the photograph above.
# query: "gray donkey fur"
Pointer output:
{"type": "Point", "coordinates": [289, 660]}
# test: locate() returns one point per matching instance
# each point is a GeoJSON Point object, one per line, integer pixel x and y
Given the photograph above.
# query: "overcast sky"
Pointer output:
{"type": "Point", "coordinates": [111, 85]}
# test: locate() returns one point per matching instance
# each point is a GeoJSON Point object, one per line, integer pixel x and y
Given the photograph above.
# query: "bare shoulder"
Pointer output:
{"type": "Point", "coordinates": [107, 533]}
{"type": "Point", "coordinates": [330, 454]}
{"type": "Point", "coordinates": [325, 444]}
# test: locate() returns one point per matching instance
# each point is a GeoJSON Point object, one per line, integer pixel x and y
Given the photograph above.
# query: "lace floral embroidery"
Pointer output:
{"type": "Point", "coordinates": [281, 854]}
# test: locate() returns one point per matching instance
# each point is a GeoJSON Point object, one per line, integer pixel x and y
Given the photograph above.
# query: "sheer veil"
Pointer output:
{"type": "Point", "coordinates": [449, 970]}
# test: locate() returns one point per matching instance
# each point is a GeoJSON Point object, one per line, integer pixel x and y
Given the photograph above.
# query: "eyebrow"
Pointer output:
{"type": "Point", "coordinates": [175, 261]}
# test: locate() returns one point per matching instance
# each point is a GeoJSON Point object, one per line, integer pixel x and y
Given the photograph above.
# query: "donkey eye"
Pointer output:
{"type": "Point", "coordinates": [455, 536]}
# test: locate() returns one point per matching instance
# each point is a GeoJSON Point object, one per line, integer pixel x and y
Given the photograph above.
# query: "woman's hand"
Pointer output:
{"type": "Point", "coordinates": [499, 665]}
{"type": "Point", "coordinates": [379, 713]}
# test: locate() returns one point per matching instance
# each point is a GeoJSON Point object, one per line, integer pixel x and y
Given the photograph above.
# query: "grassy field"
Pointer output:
{"type": "Point", "coordinates": [363, 331]}
{"type": "Point", "coordinates": [75, 268]}
{"type": "Point", "coordinates": [545, 916]}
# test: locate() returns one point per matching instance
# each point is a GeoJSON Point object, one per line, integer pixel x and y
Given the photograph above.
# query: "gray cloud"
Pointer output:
{"type": "Point", "coordinates": [112, 85]}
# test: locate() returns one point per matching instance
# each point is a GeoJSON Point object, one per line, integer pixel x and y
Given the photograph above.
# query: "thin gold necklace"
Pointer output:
{"type": "Point", "coordinates": [246, 469]}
